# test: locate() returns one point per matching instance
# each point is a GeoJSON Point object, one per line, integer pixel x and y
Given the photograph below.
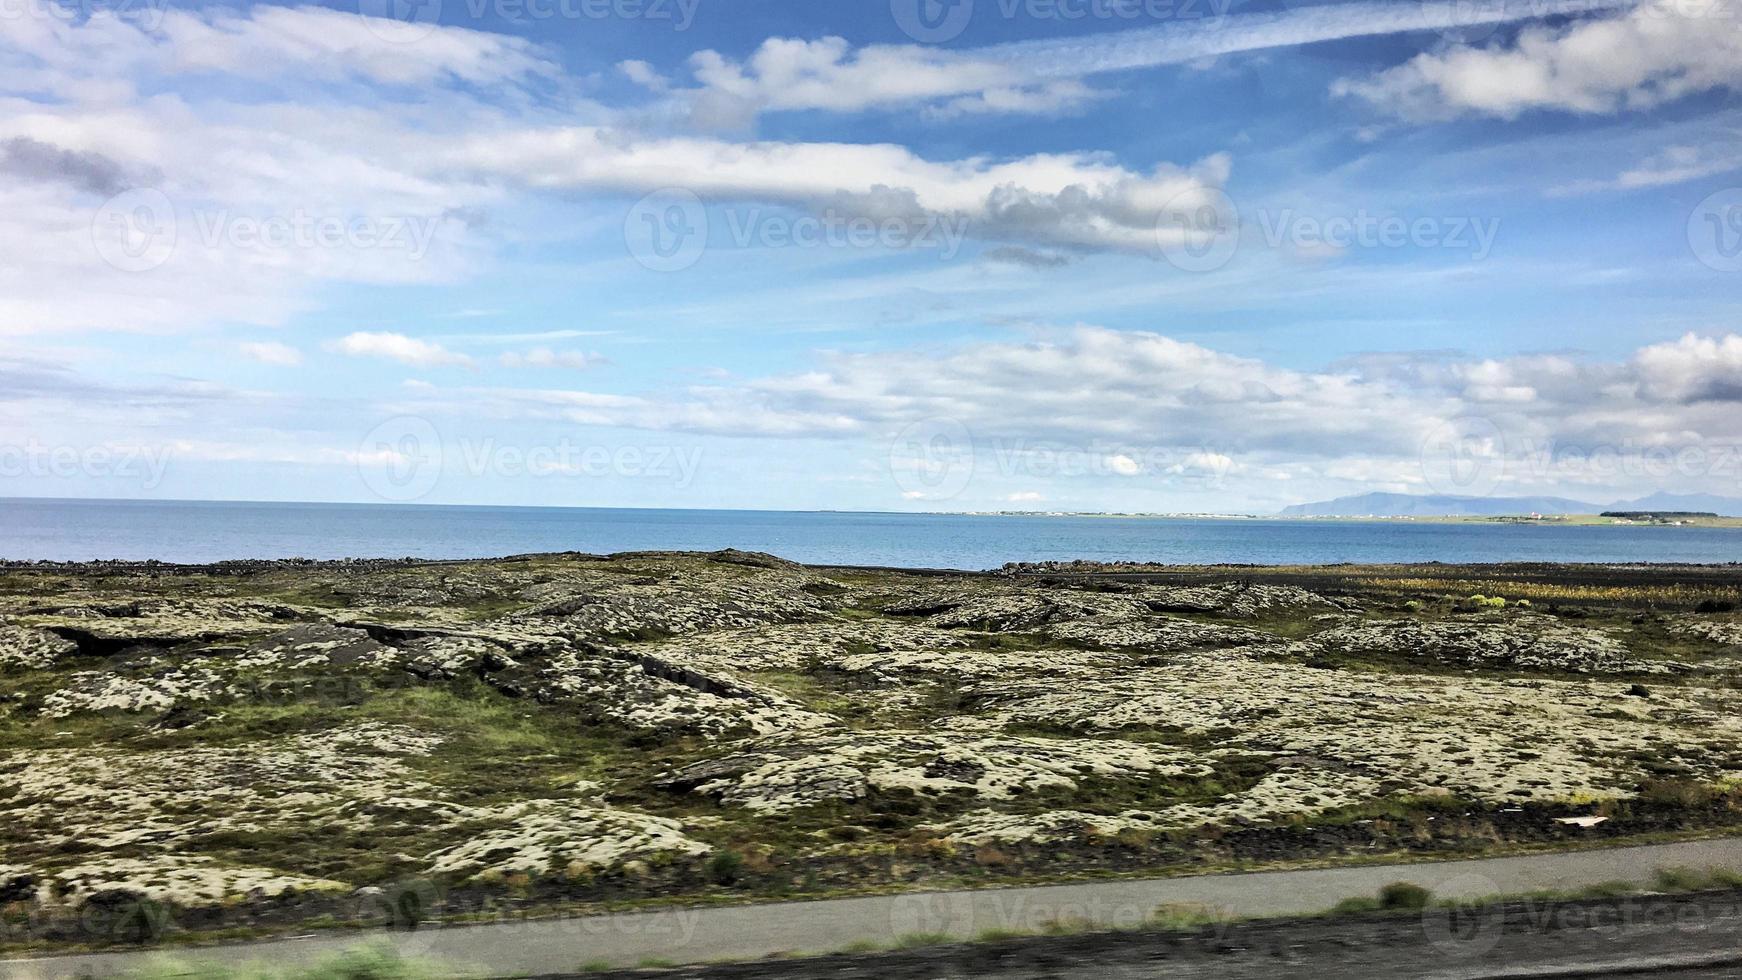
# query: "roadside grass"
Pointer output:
{"type": "Point", "coordinates": [917, 940]}
{"type": "Point", "coordinates": [1697, 879]}
{"type": "Point", "coordinates": [360, 964]}
{"type": "Point", "coordinates": [1399, 897]}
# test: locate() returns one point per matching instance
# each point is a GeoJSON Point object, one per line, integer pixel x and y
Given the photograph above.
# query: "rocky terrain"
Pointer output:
{"type": "Point", "coordinates": [256, 746]}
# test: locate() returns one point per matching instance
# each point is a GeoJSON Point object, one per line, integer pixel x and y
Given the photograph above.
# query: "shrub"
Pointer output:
{"type": "Point", "coordinates": [1676, 792]}
{"type": "Point", "coordinates": [724, 867]}
{"type": "Point", "coordinates": [1404, 895]}
{"type": "Point", "coordinates": [1355, 906]}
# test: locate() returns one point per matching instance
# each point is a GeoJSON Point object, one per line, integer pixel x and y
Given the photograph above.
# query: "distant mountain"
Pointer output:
{"type": "Point", "coordinates": [1437, 505]}
{"type": "Point", "coordinates": [1686, 502]}
{"type": "Point", "coordinates": [1446, 505]}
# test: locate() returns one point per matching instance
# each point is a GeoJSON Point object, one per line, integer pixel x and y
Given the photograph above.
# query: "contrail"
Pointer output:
{"type": "Point", "coordinates": [1184, 41]}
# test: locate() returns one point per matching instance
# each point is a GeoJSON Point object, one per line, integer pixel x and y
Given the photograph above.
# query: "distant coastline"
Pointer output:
{"type": "Point", "coordinates": [196, 533]}
{"type": "Point", "coordinates": [1564, 520]}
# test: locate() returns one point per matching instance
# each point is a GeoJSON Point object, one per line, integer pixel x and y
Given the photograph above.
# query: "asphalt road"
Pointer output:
{"type": "Point", "coordinates": [555, 946]}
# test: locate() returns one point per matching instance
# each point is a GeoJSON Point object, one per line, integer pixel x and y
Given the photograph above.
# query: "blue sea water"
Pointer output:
{"type": "Point", "coordinates": [204, 531]}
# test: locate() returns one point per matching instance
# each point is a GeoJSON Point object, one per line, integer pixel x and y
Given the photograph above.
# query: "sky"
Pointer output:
{"type": "Point", "coordinates": [1073, 255]}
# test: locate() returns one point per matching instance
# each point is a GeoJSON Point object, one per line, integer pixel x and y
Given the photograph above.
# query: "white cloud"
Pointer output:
{"type": "Point", "coordinates": [1051, 98]}
{"type": "Point", "coordinates": [1043, 76]}
{"type": "Point", "coordinates": [271, 352]}
{"type": "Point", "coordinates": [1026, 497]}
{"type": "Point", "coordinates": [1692, 369]}
{"type": "Point", "coordinates": [1074, 200]}
{"type": "Point", "coordinates": [544, 357]}
{"type": "Point", "coordinates": [267, 40]}
{"type": "Point", "coordinates": [399, 347]}
{"type": "Point", "coordinates": [791, 73]}
{"type": "Point", "coordinates": [1143, 409]}
{"type": "Point", "coordinates": [1189, 40]}
{"type": "Point", "coordinates": [1672, 165]}
{"type": "Point", "coordinates": [1653, 54]}
{"type": "Point", "coordinates": [311, 136]}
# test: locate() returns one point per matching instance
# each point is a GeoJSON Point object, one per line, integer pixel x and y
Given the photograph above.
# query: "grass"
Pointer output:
{"type": "Point", "coordinates": [360, 964]}
{"type": "Point", "coordinates": [1697, 879]}
{"type": "Point", "coordinates": [499, 749]}
{"type": "Point", "coordinates": [1636, 596]}
{"type": "Point", "coordinates": [917, 940]}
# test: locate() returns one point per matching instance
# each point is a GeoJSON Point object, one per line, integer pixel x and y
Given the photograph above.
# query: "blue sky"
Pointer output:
{"type": "Point", "coordinates": [999, 254]}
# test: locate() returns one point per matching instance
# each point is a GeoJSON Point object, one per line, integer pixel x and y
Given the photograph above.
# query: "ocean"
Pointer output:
{"type": "Point", "coordinates": [205, 531]}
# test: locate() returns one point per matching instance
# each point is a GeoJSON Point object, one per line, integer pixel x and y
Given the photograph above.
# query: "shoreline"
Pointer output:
{"type": "Point", "coordinates": [1011, 569]}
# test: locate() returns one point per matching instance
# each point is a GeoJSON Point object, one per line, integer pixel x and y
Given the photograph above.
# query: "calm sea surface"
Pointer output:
{"type": "Point", "coordinates": [188, 531]}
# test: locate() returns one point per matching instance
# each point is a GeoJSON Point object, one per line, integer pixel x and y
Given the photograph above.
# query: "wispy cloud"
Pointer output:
{"type": "Point", "coordinates": [1187, 41]}
{"type": "Point", "coordinates": [271, 352]}
{"type": "Point", "coordinates": [399, 347]}
{"type": "Point", "coordinates": [1039, 76]}
{"type": "Point", "coordinates": [544, 357]}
